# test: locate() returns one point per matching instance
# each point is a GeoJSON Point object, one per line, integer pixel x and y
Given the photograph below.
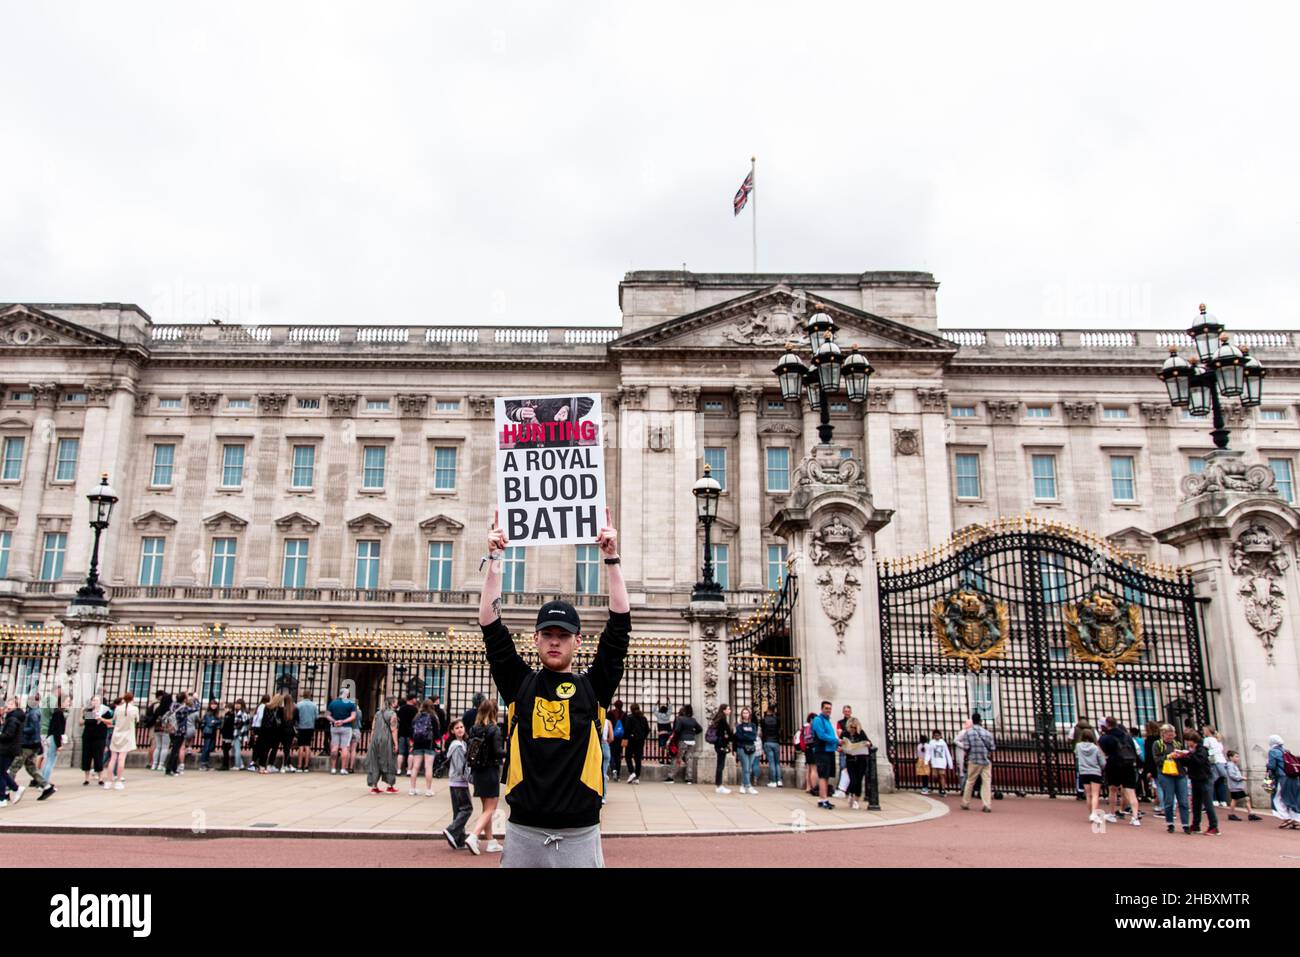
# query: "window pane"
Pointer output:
{"type": "Point", "coordinates": [1195, 465]}
{"type": "Point", "coordinates": [1113, 412]}
{"type": "Point", "coordinates": [716, 460]}
{"type": "Point", "coordinates": [163, 458]}
{"type": "Point", "coordinates": [151, 559]}
{"type": "Point", "coordinates": [56, 543]}
{"type": "Point", "coordinates": [373, 471]}
{"type": "Point", "coordinates": [968, 475]}
{"type": "Point", "coordinates": [1063, 704]}
{"type": "Point", "coordinates": [1052, 573]}
{"type": "Point", "coordinates": [448, 405]}
{"type": "Point", "coordinates": [720, 566]}
{"type": "Point", "coordinates": [304, 466]}
{"type": "Point", "coordinates": [778, 470]}
{"type": "Point", "coordinates": [1272, 415]}
{"type": "Point", "coordinates": [295, 563]}
{"type": "Point", "coordinates": [13, 458]}
{"type": "Point", "coordinates": [963, 411]}
{"type": "Point", "coordinates": [1039, 411]}
{"type": "Point", "coordinates": [213, 673]}
{"type": "Point", "coordinates": [65, 468]}
{"type": "Point", "coordinates": [5, 540]}
{"type": "Point", "coordinates": [1282, 473]}
{"type": "Point", "coordinates": [776, 555]}
{"type": "Point", "coordinates": [223, 562]}
{"type": "Point", "coordinates": [1121, 478]}
{"type": "Point", "coordinates": [139, 676]}
{"type": "Point", "coordinates": [1144, 705]}
{"type": "Point", "coordinates": [1044, 468]}
{"type": "Point", "coordinates": [439, 566]}
{"type": "Point", "coordinates": [232, 466]}
{"type": "Point", "coordinates": [367, 565]}
{"type": "Point", "coordinates": [588, 570]}
{"type": "Point", "coordinates": [512, 569]}
{"type": "Point", "coordinates": [444, 468]}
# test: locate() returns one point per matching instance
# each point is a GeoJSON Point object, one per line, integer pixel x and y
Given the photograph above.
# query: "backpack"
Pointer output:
{"type": "Point", "coordinates": [479, 754]}
{"type": "Point", "coordinates": [1290, 765]}
{"type": "Point", "coordinates": [167, 722]}
{"type": "Point", "coordinates": [711, 736]}
{"type": "Point", "coordinates": [422, 731]}
{"type": "Point", "coordinates": [1127, 752]}
{"type": "Point", "coordinates": [809, 740]}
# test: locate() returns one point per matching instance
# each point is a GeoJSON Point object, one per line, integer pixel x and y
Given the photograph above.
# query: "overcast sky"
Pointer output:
{"type": "Point", "coordinates": [455, 162]}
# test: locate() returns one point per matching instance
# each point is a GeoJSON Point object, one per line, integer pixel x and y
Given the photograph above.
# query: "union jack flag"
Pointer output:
{"type": "Point", "coordinates": [742, 194]}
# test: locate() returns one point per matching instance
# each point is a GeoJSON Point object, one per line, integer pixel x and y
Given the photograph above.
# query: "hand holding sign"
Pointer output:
{"type": "Point", "coordinates": [497, 541]}
{"type": "Point", "coordinates": [608, 538]}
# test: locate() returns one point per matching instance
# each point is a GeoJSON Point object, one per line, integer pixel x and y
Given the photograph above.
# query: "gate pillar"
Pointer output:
{"type": "Point", "coordinates": [709, 670]}
{"type": "Point", "coordinates": [1238, 537]}
{"type": "Point", "coordinates": [830, 524]}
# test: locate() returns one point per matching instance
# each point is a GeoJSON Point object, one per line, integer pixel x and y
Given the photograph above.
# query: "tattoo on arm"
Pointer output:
{"type": "Point", "coordinates": [496, 606]}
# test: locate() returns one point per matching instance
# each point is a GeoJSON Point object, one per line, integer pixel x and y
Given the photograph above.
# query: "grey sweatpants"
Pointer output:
{"type": "Point", "coordinates": [562, 847]}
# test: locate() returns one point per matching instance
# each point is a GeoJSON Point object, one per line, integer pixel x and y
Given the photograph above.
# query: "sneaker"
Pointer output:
{"type": "Point", "coordinates": [85, 784]}
{"type": "Point", "coordinates": [1212, 831]}
{"type": "Point", "coordinates": [753, 790]}
{"type": "Point", "coordinates": [1135, 822]}
{"type": "Point", "coordinates": [826, 804]}
{"type": "Point", "coordinates": [471, 841]}
{"type": "Point", "coordinates": [392, 790]}
{"type": "Point", "coordinates": [780, 784]}
{"type": "Point", "coordinates": [925, 790]}
{"type": "Point", "coordinates": [4, 803]}
{"type": "Point", "coordinates": [494, 847]}
{"type": "Point", "coordinates": [46, 792]}
{"type": "Point", "coordinates": [411, 792]}
{"type": "Point", "coordinates": [722, 790]}
{"type": "Point", "coordinates": [631, 779]}
{"type": "Point", "coordinates": [853, 805]}
{"type": "Point", "coordinates": [376, 791]}
{"type": "Point", "coordinates": [1252, 817]}
{"type": "Point", "coordinates": [18, 794]}
{"type": "Point", "coordinates": [428, 794]}
{"type": "Point", "coordinates": [839, 794]}
{"type": "Point", "coordinates": [345, 771]}
{"type": "Point", "coordinates": [334, 770]}
{"type": "Point", "coordinates": [120, 786]}
{"type": "Point", "coordinates": [988, 810]}
{"type": "Point", "coordinates": [1111, 819]}
{"type": "Point", "coordinates": [1186, 829]}
{"type": "Point", "coordinates": [771, 784]}
{"type": "Point", "coordinates": [1169, 828]}
{"type": "Point", "coordinates": [668, 781]}
{"type": "Point", "coordinates": [688, 781]}
{"type": "Point", "coordinates": [1233, 817]}
{"type": "Point", "coordinates": [446, 832]}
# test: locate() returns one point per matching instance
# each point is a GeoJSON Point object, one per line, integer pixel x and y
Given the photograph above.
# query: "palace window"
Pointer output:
{"type": "Point", "coordinates": [716, 459]}
{"type": "Point", "coordinates": [444, 468]}
{"type": "Point", "coordinates": [13, 458]}
{"type": "Point", "coordinates": [223, 562]}
{"type": "Point", "coordinates": [1122, 486]}
{"type": "Point", "coordinates": [56, 546]}
{"type": "Point", "coordinates": [720, 562]}
{"type": "Point", "coordinates": [512, 569]}
{"type": "Point", "coordinates": [1043, 468]}
{"type": "Point", "coordinates": [164, 458]}
{"type": "Point", "coordinates": [776, 556]}
{"type": "Point", "coordinates": [588, 569]}
{"type": "Point", "coordinates": [232, 466]}
{"type": "Point", "coordinates": [963, 411]}
{"type": "Point", "coordinates": [439, 566]}
{"type": "Point", "coordinates": [295, 563]}
{"type": "Point", "coordinates": [968, 474]}
{"type": "Point", "coordinates": [1282, 473]}
{"type": "Point", "coordinates": [367, 564]}
{"type": "Point", "coordinates": [151, 560]}
{"type": "Point", "coordinates": [372, 471]}
{"type": "Point", "coordinates": [304, 466]}
{"type": "Point", "coordinates": [778, 470]}
{"type": "Point", "coordinates": [6, 540]}
{"type": "Point", "coordinates": [171, 402]}
{"type": "Point", "coordinates": [1038, 412]}
{"type": "Point", "coordinates": [65, 460]}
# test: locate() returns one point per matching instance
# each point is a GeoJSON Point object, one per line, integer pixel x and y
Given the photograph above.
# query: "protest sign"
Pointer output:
{"type": "Point", "coordinates": [550, 469]}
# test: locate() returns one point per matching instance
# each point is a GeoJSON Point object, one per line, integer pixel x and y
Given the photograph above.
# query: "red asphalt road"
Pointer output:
{"type": "Point", "coordinates": [1020, 833]}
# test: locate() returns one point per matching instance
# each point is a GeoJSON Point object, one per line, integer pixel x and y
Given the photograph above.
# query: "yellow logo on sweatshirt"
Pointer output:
{"type": "Point", "coordinates": [551, 719]}
{"type": "Point", "coordinates": [566, 690]}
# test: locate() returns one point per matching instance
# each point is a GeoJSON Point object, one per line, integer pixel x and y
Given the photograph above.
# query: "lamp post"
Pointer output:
{"type": "Point", "coordinates": [101, 510]}
{"type": "Point", "coordinates": [822, 376]}
{"type": "Point", "coordinates": [1221, 371]}
{"type": "Point", "coordinates": [706, 492]}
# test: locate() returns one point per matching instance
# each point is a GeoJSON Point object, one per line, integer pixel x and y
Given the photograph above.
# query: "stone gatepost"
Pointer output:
{"type": "Point", "coordinates": [709, 621]}
{"type": "Point", "coordinates": [1239, 538]}
{"type": "Point", "coordinates": [85, 629]}
{"type": "Point", "coordinates": [830, 524]}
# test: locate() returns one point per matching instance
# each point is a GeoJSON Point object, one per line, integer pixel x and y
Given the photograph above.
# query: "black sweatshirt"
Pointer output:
{"type": "Point", "coordinates": [554, 779]}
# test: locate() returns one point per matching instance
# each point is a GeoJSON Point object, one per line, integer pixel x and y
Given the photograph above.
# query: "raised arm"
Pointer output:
{"type": "Point", "coordinates": [606, 670]}
{"type": "Point", "coordinates": [508, 668]}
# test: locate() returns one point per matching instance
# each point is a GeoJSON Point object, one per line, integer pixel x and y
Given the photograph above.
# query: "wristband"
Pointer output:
{"type": "Point", "coordinates": [613, 561]}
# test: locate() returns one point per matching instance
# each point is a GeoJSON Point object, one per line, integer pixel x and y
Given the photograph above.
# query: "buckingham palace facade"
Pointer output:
{"type": "Point", "coordinates": [335, 475]}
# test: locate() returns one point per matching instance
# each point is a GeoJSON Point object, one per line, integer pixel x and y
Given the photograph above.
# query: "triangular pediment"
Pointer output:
{"type": "Point", "coordinates": [1132, 541]}
{"type": "Point", "coordinates": [296, 521]}
{"type": "Point", "coordinates": [442, 523]}
{"type": "Point", "coordinates": [369, 522]}
{"type": "Point", "coordinates": [763, 321]}
{"type": "Point", "coordinates": [225, 522]}
{"type": "Point", "coordinates": [26, 327]}
{"type": "Point", "coordinates": [151, 520]}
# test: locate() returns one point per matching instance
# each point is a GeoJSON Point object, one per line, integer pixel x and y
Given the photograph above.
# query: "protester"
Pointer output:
{"type": "Point", "coordinates": [125, 716]}
{"type": "Point", "coordinates": [638, 731]}
{"type": "Point", "coordinates": [923, 763]}
{"type": "Point", "coordinates": [11, 747]}
{"type": "Point", "coordinates": [424, 732]}
{"type": "Point", "coordinates": [484, 753]}
{"type": "Point", "coordinates": [381, 756]}
{"type": "Point", "coordinates": [685, 732]}
{"type": "Point", "coordinates": [747, 753]}
{"type": "Point", "coordinates": [406, 712]}
{"type": "Point", "coordinates": [305, 717]}
{"type": "Point", "coordinates": [719, 735]}
{"type": "Point", "coordinates": [1286, 786]}
{"type": "Point", "coordinates": [56, 735]}
{"type": "Point", "coordinates": [458, 775]}
{"type": "Point", "coordinates": [826, 743]}
{"type": "Point", "coordinates": [1218, 764]}
{"type": "Point", "coordinates": [618, 735]}
{"type": "Point", "coordinates": [978, 743]}
{"type": "Point", "coordinates": [243, 721]}
{"type": "Point", "coordinates": [96, 719]}
{"type": "Point", "coordinates": [161, 739]}
{"type": "Point", "coordinates": [855, 764]}
{"type": "Point", "coordinates": [664, 728]}
{"type": "Point", "coordinates": [1090, 767]}
{"type": "Point", "coordinates": [1237, 788]}
{"type": "Point", "coordinates": [1120, 772]}
{"type": "Point", "coordinates": [343, 715]}
{"type": "Point", "coordinates": [939, 758]}
{"type": "Point", "coordinates": [211, 726]}
{"type": "Point", "coordinates": [771, 731]}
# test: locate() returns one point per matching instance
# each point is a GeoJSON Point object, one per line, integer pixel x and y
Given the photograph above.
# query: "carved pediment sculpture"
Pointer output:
{"type": "Point", "coordinates": [1259, 560]}
{"type": "Point", "coordinates": [836, 549]}
{"type": "Point", "coordinates": [823, 466]}
{"type": "Point", "coordinates": [1229, 475]}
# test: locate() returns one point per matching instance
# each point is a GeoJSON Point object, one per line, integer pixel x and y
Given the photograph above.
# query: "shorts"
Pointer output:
{"type": "Point", "coordinates": [403, 745]}
{"type": "Point", "coordinates": [1089, 778]}
{"type": "Point", "coordinates": [340, 737]}
{"type": "Point", "coordinates": [826, 764]}
{"type": "Point", "coordinates": [422, 752]}
{"type": "Point", "coordinates": [1237, 795]}
{"type": "Point", "coordinates": [561, 847]}
{"type": "Point", "coordinates": [1120, 774]}
{"type": "Point", "coordinates": [305, 736]}
{"type": "Point", "coordinates": [356, 735]}
{"type": "Point", "coordinates": [487, 782]}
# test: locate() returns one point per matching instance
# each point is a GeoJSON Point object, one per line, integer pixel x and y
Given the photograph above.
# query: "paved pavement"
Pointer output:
{"type": "Point", "coordinates": [320, 804]}
{"type": "Point", "coordinates": [1031, 832]}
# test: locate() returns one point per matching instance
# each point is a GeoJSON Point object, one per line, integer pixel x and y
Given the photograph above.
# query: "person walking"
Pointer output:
{"type": "Point", "coordinates": [638, 732]}
{"type": "Point", "coordinates": [484, 753]}
{"type": "Point", "coordinates": [939, 758]}
{"type": "Point", "coordinates": [96, 720]}
{"type": "Point", "coordinates": [1237, 788]}
{"type": "Point", "coordinates": [720, 736]}
{"type": "Point", "coordinates": [856, 762]}
{"type": "Point", "coordinates": [56, 735]}
{"type": "Point", "coordinates": [771, 732]}
{"type": "Point", "coordinates": [825, 745]}
{"type": "Point", "coordinates": [381, 756]}
{"type": "Point", "coordinates": [210, 726]}
{"type": "Point", "coordinates": [1120, 772]}
{"type": "Point", "coordinates": [618, 736]}
{"type": "Point", "coordinates": [1089, 762]}
{"type": "Point", "coordinates": [458, 781]}
{"type": "Point", "coordinates": [12, 720]}
{"type": "Point", "coordinates": [1286, 785]}
{"type": "Point", "coordinates": [305, 714]}
{"type": "Point", "coordinates": [343, 716]}
{"type": "Point", "coordinates": [1199, 768]}
{"type": "Point", "coordinates": [31, 742]}
{"type": "Point", "coordinates": [664, 729]}
{"type": "Point", "coordinates": [979, 745]}
{"type": "Point", "coordinates": [1150, 735]}
{"type": "Point", "coordinates": [747, 753]}
{"type": "Point", "coordinates": [1170, 779]}
{"type": "Point", "coordinates": [424, 732]}
{"type": "Point", "coordinates": [923, 763]}
{"type": "Point", "coordinates": [686, 730]}
{"type": "Point", "coordinates": [125, 716]}
{"type": "Point", "coordinates": [161, 739]}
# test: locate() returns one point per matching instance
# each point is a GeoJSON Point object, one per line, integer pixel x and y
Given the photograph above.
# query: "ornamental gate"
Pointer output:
{"type": "Point", "coordinates": [763, 669]}
{"type": "Point", "coordinates": [1034, 625]}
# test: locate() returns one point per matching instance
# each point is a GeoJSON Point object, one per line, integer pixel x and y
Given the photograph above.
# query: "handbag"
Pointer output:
{"type": "Point", "coordinates": [1170, 768]}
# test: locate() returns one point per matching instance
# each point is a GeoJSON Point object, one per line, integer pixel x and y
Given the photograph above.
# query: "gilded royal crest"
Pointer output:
{"type": "Point", "coordinates": [1105, 630]}
{"type": "Point", "coordinates": [970, 625]}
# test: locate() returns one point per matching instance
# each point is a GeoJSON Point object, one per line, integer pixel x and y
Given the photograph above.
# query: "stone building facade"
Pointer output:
{"type": "Point", "coordinates": [336, 474]}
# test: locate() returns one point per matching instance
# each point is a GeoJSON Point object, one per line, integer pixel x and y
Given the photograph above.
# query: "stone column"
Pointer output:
{"type": "Point", "coordinates": [631, 459]}
{"type": "Point", "coordinates": [933, 405]}
{"type": "Point", "coordinates": [878, 447]}
{"type": "Point", "coordinates": [190, 479]}
{"type": "Point", "coordinates": [747, 482]}
{"type": "Point", "coordinates": [91, 461]}
{"type": "Point", "coordinates": [1088, 468]}
{"type": "Point", "coordinates": [686, 400]}
{"type": "Point", "coordinates": [709, 674]}
{"type": "Point", "coordinates": [24, 558]}
{"type": "Point", "coordinates": [1239, 538]}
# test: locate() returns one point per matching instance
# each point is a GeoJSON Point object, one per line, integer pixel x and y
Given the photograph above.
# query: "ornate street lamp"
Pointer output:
{"type": "Point", "coordinates": [1221, 370]}
{"type": "Point", "coordinates": [102, 501]}
{"type": "Point", "coordinates": [825, 372]}
{"type": "Point", "coordinates": [706, 492]}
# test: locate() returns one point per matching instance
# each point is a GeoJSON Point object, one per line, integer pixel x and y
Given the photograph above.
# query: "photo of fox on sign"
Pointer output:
{"type": "Point", "coordinates": [550, 469]}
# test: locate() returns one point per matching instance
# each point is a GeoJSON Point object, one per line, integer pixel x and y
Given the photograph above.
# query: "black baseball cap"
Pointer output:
{"type": "Point", "coordinates": [559, 614]}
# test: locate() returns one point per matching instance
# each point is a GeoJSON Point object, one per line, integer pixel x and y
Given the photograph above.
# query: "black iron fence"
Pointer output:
{"type": "Point", "coordinates": [29, 659]}
{"type": "Point", "coordinates": [763, 671]}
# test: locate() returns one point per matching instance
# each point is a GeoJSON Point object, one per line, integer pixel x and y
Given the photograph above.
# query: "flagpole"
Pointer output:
{"type": "Point", "coordinates": [753, 162]}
